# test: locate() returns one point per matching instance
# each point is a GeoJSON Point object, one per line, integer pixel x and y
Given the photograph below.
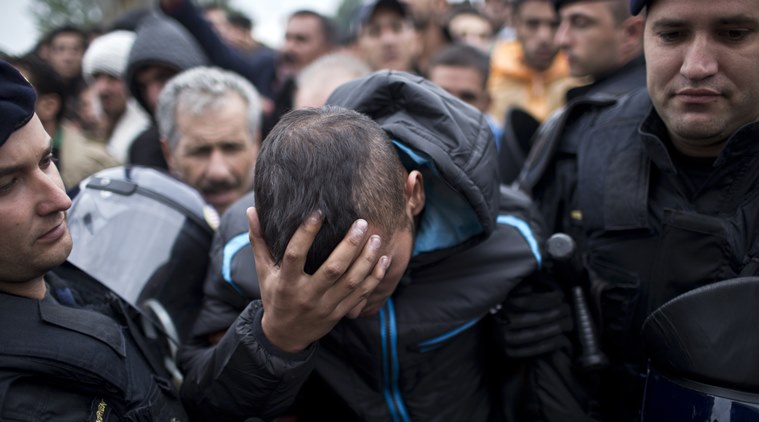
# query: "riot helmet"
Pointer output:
{"type": "Point", "coordinates": [702, 347]}
{"type": "Point", "coordinates": [146, 236]}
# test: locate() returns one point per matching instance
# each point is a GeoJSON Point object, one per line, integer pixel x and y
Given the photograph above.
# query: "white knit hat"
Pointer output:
{"type": "Point", "coordinates": [108, 54]}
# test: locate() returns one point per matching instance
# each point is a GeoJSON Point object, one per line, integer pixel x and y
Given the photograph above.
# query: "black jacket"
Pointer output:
{"type": "Point", "coordinates": [652, 225]}
{"type": "Point", "coordinates": [62, 362]}
{"type": "Point", "coordinates": [429, 353]}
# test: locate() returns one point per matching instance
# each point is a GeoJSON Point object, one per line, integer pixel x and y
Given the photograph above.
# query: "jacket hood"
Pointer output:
{"type": "Point", "coordinates": [447, 140]}
{"type": "Point", "coordinates": [161, 41]}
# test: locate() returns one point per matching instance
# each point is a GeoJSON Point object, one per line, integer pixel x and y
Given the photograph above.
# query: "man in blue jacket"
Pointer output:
{"type": "Point", "coordinates": [390, 321]}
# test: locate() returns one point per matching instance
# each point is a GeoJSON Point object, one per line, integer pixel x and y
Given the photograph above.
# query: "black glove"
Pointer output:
{"type": "Point", "coordinates": [533, 319]}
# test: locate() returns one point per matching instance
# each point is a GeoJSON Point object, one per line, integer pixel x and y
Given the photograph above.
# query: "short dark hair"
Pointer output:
{"type": "Point", "coordinates": [330, 159]}
{"type": "Point", "coordinates": [462, 55]}
{"type": "Point", "coordinates": [239, 20]}
{"type": "Point", "coordinates": [328, 28]}
{"type": "Point", "coordinates": [66, 29]}
{"type": "Point", "coordinates": [44, 79]}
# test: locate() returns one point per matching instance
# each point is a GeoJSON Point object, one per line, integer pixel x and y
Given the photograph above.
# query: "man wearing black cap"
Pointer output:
{"type": "Point", "coordinates": [660, 189]}
{"type": "Point", "coordinates": [58, 360]}
{"type": "Point", "coordinates": [386, 37]}
{"type": "Point", "coordinates": [604, 42]}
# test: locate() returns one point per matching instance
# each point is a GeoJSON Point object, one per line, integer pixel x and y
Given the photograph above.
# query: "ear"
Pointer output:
{"type": "Point", "coordinates": [414, 193]}
{"type": "Point", "coordinates": [632, 33]}
{"type": "Point", "coordinates": [166, 150]}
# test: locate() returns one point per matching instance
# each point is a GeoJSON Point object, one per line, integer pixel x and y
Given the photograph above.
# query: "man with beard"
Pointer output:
{"type": "Point", "coordinates": [209, 121]}
{"type": "Point", "coordinates": [527, 72]}
{"type": "Point", "coordinates": [308, 36]}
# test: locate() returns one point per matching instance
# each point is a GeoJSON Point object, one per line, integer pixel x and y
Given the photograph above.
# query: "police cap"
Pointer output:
{"type": "Point", "coordinates": [17, 100]}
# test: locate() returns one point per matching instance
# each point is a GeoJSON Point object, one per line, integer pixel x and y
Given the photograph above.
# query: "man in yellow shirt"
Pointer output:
{"type": "Point", "coordinates": [527, 72]}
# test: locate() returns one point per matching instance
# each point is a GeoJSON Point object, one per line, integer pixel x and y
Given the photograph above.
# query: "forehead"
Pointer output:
{"type": "Point", "coordinates": [25, 146]}
{"type": "Point", "coordinates": [536, 9]}
{"type": "Point", "coordinates": [153, 72]}
{"type": "Point", "coordinates": [702, 11]}
{"type": "Point", "coordinates": [214, 14]}
{"type": "Point", "coordinates": [67, 38]}
{"type": "Point", "coordinates": [457, 77]}
{"type": "Point", "coordinates": [420, 5]}
{"type": "Point", "coordinates": [303, 24]}
{"type": "Point", "coordinates": [586, 8]}
{"type": "Point", "coordinates": [470, 21]}
{"type": "Point", "coordinates": [222, 117]}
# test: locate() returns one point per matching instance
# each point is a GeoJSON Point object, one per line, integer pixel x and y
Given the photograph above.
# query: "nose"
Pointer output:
{"type": "Point", "coordinates": [52, 197]}
{"type": "Point", "coordinates": [700, 60]}
{"type": "Point", "coordinates": [218, 168]}
{"type": "Point", "coordinates": [546, 33]}
{"type": "Point", "coordinates": [100, 84]}
{"type": "Point", "coordinates": [387, 37]}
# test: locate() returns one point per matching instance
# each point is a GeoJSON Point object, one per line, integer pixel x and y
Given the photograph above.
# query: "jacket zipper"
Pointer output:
{"type": "Point", "coordinates": [390, 365]}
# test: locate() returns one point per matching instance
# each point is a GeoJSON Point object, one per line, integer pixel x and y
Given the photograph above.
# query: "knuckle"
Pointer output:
{"type": "Point", "coordinates": [290, 256]}
{"type": "Point", "coordinates": [306, 305]}
{"type": "Point", "coordinates": [365, 291]}
{"type": "Point", "coordinates": [353, 283]}
{"type": "Point", "coordinates": [333, 271]}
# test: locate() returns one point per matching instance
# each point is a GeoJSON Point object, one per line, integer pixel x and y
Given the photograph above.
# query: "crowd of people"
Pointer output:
{"type": "Point", "coordinates": [372, 211]}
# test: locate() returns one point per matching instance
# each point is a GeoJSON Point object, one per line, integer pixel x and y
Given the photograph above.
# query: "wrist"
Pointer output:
{"type": "Point", "coordinates": [275, 337]}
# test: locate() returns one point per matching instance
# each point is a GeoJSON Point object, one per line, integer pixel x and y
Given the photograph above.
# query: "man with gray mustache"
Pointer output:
{"type": "Point", "coordinates": [210, 122]}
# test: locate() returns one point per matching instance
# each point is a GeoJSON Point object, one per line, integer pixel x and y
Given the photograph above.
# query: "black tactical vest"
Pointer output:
{"type": "Point", "coordinates": [64, 363]}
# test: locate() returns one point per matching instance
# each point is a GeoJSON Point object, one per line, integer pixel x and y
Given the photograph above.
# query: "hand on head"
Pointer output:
{"type": "Point", "coordinates": [300, 308]}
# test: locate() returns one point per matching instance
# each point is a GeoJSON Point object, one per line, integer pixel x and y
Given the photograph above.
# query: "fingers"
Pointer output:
{"type": "Point", "coordinates": [345, 253]}
{"type": "Point", "coordinates": [359, 282]}
{"type": "Point", "coordinates": [359, 277]}
{"type": "Point", "coordinates": [294, 258]}
{"type": "Point", "coordinates": [355, 312]}
{"type": "Point", "coordinates": [356, 300]}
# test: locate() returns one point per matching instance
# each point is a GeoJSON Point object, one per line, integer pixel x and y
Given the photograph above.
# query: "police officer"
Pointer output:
{"type": "Point", "coordinates": [604, 43]}
{"type": "Point", "coordinates": [660, 189]}
{"type": "Point", "coordinates": [59, 360]}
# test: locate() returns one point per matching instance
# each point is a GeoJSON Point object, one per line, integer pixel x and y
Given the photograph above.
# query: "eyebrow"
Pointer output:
{"type": "Point", "coordinates": [4, 171]}
{"type": "Point", "coordinates": [726, 20]}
